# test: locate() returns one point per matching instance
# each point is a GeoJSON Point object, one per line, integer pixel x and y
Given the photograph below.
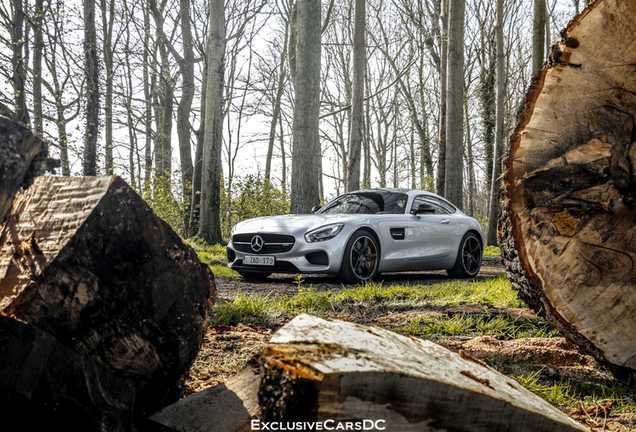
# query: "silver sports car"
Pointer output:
{"type": "Point", "coordinates": [360, 235]}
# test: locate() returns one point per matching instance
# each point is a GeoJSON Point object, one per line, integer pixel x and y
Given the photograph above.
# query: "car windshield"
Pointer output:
{"type": "Point", "coordinates": [367, 202]}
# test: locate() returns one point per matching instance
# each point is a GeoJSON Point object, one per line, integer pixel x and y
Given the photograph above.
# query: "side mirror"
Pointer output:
{"type": "Point", "coordinates": [424, 209]}
{"type": "Point", "coordinates": [315, 208]}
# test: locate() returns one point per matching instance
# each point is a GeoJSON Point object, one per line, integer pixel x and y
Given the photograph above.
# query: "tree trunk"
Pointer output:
{"type": "Point", "coordinates": [305, 184]}
{"type": "Point", "coordinates": [567, 231]}
{"type": "Point", "coordinates": [86, 260]}
{"type": "Point", "coordinates": [91, 64]}
{"type": "Point", "coordinates": [495, 182]}
{"type": "Point", "coordinates": [538, 35]}
{"type": "Point", "coordinates": [356, 126]}
{"type": "Point", "coordinates": [454, 172]}
{"type": "Point", "coordinates": [210, 208]}
{"type": "Point", "coordinates": [108, 19]}
{"type": "Point", "coordinates": [19, 79]}
{"type": "Point", "coordinates": [335, 371]}
{"type": "Point", "coordinates": [441, 153]}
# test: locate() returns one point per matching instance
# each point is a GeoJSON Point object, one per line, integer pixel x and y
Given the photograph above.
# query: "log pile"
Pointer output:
{"type": "Point", "coordinates": [567, 231]}
{"type": "Point", "coordinates": [100, 290]}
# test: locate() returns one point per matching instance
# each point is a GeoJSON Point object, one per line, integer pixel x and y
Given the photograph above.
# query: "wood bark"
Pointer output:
{"type": "Point", "coordinates": [320, 370]}
{"type": "Point", "coordinates": [86, 260]}
{"type": "Point", "coordinates": [567, 228]}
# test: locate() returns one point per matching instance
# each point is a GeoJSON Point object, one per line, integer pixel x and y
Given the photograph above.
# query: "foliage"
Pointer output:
{"type": "Point", "coordinates": [162, 200]}
{"type": "Point", "coordinates": [492, 251]}
{"type": "Point", "coordinates": [255, 197]}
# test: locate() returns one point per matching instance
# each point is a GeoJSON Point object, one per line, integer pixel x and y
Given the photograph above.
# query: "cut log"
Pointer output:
{"type": "Point", "coordinates": [339, 373]}
{"type": "Point", "coordinates": [45, 385]}
{"type": "Point", "coordinates": [86, 260]}
{"type": "Point", "coordinates": [567, 230]}
{"type": "Point", "coordinates": [227, 407]}
{"type": "Point", "coordinates": [22, 157]}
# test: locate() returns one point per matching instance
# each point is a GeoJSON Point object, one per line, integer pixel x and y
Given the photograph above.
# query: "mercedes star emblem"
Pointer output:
{"type": "Point", "coordinates": [257, 243]}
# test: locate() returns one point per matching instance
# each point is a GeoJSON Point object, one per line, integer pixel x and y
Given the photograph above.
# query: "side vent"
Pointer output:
{"type": "Point", "coordinates": [397, 233]}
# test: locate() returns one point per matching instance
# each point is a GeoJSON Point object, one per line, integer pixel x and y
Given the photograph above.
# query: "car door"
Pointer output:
{"type": "Point", "coordinates": [429, 235]}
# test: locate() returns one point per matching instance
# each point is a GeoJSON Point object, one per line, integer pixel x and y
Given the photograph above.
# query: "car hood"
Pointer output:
{"type": "Point", "coordinates": [292, 223]}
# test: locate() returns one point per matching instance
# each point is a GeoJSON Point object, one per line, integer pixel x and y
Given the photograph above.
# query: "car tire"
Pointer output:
{"type": "Point", "coordinates": [256, 276]}
{"type": "Point", "coordinates": [469, 257]}
{"type": "Point", "coordinates": [360, 259]}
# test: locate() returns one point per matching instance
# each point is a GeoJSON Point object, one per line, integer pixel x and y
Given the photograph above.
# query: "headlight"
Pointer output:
{"type": "Point", "coordinates": [323, 233]}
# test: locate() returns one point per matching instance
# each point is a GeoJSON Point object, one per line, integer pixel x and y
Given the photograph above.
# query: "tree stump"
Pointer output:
{"type": "Point", "coordinates": [567, 229]}
{"type": "Point", "coordinates": [342, 373]}
{"type": "Point", "coordinates": [86, 260]}
{"type": "Point", "coordinates": [22, 157]}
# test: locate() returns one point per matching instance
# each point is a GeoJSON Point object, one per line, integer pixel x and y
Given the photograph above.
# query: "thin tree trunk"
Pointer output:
{"type": "Point", "coordinates": [441, 156]}
{"type": "Point", "coordinates": [472, 190]}
{"type": "Point", "coordinates": [92, 90]}
{"type": "Point", "coordinates": [495, 182]}
{"type": "Point", "coordinates": [356, 126]}
{"type": "Point", "coordinates": [108, 18]}
{"type": "Point", "coordinates": [538, 36]}
{"type": "Point", "coordinates": [454, 174]}
{"type": "Point", "coordinates": [210, 213]}
{"type": "Point", "coordinates": [37, 68]}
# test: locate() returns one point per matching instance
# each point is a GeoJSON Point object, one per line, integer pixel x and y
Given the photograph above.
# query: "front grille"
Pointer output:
{"type": "Point", "coordinates": [272, 243]}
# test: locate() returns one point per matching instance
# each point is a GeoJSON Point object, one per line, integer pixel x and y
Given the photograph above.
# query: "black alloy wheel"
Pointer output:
{"type": "Point", "coordinates": [468, 257]}
{"type": "Point", "coordinates": [361, 258]}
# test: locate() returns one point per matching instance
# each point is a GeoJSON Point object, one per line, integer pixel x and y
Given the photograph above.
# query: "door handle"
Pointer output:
{"type": "Point", "coordinates": [445, 221]}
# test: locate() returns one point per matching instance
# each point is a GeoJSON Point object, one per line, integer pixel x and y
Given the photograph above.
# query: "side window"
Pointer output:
{"type": "Point", "coordinates": [423, 199]}
{"type": "Point", "coordinates": [447, 207]}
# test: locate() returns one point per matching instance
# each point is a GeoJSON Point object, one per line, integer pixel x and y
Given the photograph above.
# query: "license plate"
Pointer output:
{"type": "Point", "coordinates": [260, 260]}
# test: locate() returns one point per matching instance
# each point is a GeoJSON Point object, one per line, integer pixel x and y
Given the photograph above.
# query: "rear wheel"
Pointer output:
{"type": "Point", "coordinates": [468, 257]}
{"type": "Point", "coordinates": [361, 258]}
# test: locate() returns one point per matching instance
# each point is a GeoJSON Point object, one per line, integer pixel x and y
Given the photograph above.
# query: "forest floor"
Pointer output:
{"type": "Point", "coordinates": [550, 366]}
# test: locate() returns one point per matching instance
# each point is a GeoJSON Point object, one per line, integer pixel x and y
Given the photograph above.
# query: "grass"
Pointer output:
{"type": "Point", "coordinates": [214, 256]}
{"type": "Point", "coordinates": [372, 298]}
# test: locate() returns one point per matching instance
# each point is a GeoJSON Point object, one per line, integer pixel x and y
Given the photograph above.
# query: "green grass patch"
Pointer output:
{"type": "Point", "coordinates": [569, 392]}
{"type": "Point", "coordinates": [492, 292]}
{"type": "Point", "coordinates": [472, 325]}
{"type": "Point", "coordinates": [214, 256]}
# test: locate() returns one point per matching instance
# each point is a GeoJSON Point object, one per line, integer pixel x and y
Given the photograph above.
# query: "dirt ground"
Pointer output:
{"type": "Point", "coordinates": [227, 348]}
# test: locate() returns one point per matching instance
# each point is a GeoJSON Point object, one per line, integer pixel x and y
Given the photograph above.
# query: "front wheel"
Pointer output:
{"type": "Point", "coordinates": [361, 258]}
{"type": "Point", "coordinates": [468, 257]}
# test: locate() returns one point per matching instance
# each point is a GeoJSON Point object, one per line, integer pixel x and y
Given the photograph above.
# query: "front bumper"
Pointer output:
{"type": "Point", "coordinates": [319, 257]}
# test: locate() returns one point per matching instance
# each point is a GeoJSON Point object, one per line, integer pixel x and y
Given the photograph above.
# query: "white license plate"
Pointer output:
{"type": "Point", "coordinates": [260, 260]}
